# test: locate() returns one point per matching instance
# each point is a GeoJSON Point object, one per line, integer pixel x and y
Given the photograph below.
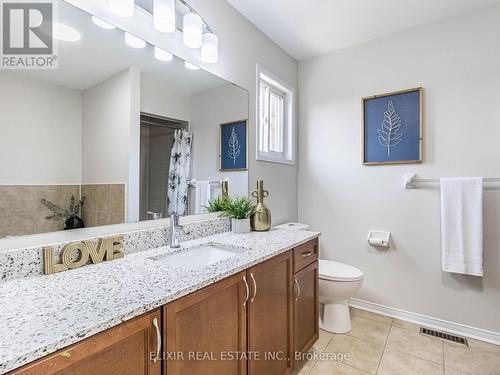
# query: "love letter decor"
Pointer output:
{"type": "Point", "coordinates": [78, 254]}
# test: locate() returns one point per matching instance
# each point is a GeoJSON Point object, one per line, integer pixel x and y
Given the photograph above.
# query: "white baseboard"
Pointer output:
{"type": "Point", "coordinates": [427, 321]}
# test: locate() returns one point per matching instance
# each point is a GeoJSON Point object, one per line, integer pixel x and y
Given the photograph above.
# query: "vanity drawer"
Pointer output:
{"type": "Point", "coordinates": [305, 254]}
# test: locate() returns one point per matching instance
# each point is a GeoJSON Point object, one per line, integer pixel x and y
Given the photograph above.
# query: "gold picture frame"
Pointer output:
{"type": "Point", "coordinates": [420, 159]}
{"type": "Point", "coordinates": [221, 126]}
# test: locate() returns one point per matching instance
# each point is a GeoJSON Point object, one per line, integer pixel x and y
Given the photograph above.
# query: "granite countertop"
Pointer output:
{"type": "Point", "coordinates": [40, 315]}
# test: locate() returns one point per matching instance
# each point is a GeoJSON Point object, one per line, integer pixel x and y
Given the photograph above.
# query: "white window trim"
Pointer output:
{"type": "Point", "coordinates": [289, 128]}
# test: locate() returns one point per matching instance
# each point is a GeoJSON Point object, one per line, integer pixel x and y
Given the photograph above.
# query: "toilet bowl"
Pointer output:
{"type": "Point", "coordinates": [337, 283]}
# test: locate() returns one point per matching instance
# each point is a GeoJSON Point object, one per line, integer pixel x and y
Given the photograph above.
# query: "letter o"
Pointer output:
{"type": "Point", "coordinates": [68, 251]}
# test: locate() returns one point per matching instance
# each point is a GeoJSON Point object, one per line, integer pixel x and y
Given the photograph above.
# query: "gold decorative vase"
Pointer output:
{"type": "Point", "coordinates": [261, 220]}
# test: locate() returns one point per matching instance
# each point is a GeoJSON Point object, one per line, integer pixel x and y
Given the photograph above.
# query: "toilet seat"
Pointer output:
{"type": "Point", "coordinates": [335, 271]}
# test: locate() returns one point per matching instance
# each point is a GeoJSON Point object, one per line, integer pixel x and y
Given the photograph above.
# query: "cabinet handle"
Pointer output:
{"type": "Point", "coordinates": [298, 289]}
{"type": "Point", "coordinates": [247, 289]}
{"type": "Point", "coordinates": [254, 287]}
{"type": "Point", "coordinates": [307, 254]}
{"type": "Point", "coordinates": [158, 340]}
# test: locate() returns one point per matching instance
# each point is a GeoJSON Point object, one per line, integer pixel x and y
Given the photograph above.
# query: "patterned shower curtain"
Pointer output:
{"type": "Point", "coordinates": [178, 176]}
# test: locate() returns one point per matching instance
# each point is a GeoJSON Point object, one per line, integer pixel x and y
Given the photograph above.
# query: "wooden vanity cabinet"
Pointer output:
{"type": "Point", "coordinates": [270, 316]}
{"type": "Point", "coordinates": [124, 349]}
{"type": "Point", "coordinates": [306, 308]}
{"type": "Point", "coordinates": [306, 299]}
{"type": "Point", "coordinates": [205, 331]}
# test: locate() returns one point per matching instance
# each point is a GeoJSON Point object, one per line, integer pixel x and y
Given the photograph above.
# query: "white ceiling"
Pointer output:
{"type": "Point", "coordinates": [306, 28]}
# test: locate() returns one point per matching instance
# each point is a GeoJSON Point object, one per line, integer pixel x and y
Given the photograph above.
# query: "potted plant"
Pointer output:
{"type": "Point", "coordinates": [70, 217]}
{"type": "Point", "coordinates": [239, 209]}
{"type": "Point", "coordinates": [217, 205]}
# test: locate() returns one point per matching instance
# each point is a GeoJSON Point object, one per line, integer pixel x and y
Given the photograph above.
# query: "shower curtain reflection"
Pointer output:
{"type": "Point", "coordinates": [180, 165]}
{"type": "Point", "coordinates": [157, 139]}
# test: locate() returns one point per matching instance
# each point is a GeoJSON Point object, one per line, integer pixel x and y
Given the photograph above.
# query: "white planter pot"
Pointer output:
{"type": "Point", "coordinates": [239, 226]}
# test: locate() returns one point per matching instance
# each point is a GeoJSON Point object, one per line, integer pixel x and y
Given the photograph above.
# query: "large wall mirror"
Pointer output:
{"type": "Point", "coordinates": [133, 137]}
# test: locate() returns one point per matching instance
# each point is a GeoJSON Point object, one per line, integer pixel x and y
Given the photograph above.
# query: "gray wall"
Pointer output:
{"type": "Point", "coordinates": [242, 45]}
{"type": "Point", "coordinates": [457, 62]}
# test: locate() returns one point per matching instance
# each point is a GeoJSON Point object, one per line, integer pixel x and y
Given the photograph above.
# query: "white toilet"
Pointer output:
{"type": "Point", "coordinates": [337, 283]}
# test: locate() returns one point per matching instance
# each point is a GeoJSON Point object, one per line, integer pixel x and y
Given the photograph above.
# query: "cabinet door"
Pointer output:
{"type": "Point", "coordinates": [270, 317]}
{"type": "Point", "coordinates": [306, 312]}
{"type": "Point", "coordinates": [206, 330]}
{"type": "Point", "coordinates": [124, 349]}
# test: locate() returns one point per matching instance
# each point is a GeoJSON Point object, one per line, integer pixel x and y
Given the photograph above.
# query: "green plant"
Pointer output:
{"type": "Point", "coordinates": [59, 213]}
{"type": "Point", "coordinates": [239, 208]}
{"type": "Point", "coordinates": [217, 205]}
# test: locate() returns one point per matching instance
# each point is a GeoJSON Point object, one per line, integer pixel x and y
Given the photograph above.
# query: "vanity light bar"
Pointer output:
{"type": "Point", "coordinates": [133, 41]}
{"type": "Point", "coordinates": [102, 24]}
{"type": "Point", "coordinates": [164, 15]}
{"type": "Point", "coordinates": [122, 8]}
{"type": "Point", "coordinates": [190, 66]}
{"type": "Point", "coordinates": [164, 20]}
{"type": "Point", "coordinates": [163, 55]}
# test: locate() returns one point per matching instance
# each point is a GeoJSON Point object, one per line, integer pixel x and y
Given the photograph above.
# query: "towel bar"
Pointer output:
{"type": "Point", "coordinates": [411, 181]}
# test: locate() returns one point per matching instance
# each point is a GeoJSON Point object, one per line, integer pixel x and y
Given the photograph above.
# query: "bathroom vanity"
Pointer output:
{"type": "Point", "coordinates": [248, 313]}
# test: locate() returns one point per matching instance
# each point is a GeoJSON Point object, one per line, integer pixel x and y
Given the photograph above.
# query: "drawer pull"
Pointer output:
{"type": "Point", "coordinates": [254, 287]}
{"type": "Point", "coordinates": [158, 339]}
{"type": "Point", "coordinates": [65, 354]}
{"type": "Point", "coordinates": [247, 289]}
{"type": "Point", "coordinates": [298, 289]}
{"type": "Point", "coordinates": [307, 254]}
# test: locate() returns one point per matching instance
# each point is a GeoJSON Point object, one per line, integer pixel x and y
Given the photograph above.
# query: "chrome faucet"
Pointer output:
{"type": "Point", "coordinates": [174, 227]}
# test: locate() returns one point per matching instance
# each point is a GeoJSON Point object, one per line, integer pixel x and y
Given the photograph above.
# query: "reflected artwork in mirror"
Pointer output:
{"type": "Point", "coordinates": [121, 131]}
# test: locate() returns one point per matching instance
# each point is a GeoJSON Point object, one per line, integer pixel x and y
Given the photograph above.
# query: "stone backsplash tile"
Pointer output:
{"type": "Point", "coordinates": [21, 211]}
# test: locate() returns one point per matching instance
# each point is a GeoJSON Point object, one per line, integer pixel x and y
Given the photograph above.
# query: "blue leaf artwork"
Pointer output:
{"type": "Point", "coordinates": [392, 128]}
{"type": "Point", "coordinates": [389, 135]}
{"type": "Point", "coordinates": [233, 146]}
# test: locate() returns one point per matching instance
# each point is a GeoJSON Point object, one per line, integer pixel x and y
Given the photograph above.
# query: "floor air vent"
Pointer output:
{"type": "Point", "coordinates": [444, 336]}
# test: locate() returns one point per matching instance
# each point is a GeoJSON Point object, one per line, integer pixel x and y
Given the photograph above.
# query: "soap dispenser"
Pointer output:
{"type": "Point", "coordinates": [261, 220]}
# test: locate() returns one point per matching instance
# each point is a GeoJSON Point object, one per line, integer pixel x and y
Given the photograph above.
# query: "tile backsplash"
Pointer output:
{"type": "Point", "coordinates": [104, 204]}
{"type": "Point", "coordinates": [22, 213]}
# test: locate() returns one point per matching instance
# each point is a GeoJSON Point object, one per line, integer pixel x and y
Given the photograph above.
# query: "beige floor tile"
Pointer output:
{"type": "Point", "coordinates": [481, 345]}
{"type": "Point", "coordinates": [413, 343]}
{"type": "Point", "coordinates": [323, 341]}
{"type": "Point", "coordinates": [373, 331]}
{"type": "Point", "coordinates": [470, 360]}
{"type": "Point", "coordinates": [360, 354]}
{"type": "Point", "coordinates": [304, 368]}
{"type": "Point", "coordinates": [369, 315]}
{"type": "Point", "coordinates": [452, 371]}
{"type": "Point", "coordinates": [332, 367]}
{"type": "Point", "coordinates": [407, 325]}
{"type": "Point", "coordinates": [396, 363]}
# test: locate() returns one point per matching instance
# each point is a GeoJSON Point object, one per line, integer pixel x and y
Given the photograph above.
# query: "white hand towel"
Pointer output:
{"type": "Point", "coordinates": [462, 225]}
{"type": "Point", "coordinates": [202, 196]}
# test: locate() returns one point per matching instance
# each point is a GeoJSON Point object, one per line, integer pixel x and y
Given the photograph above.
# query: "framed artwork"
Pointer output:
{"type": "Point", "coordinates": [233, 147]}
{"type": "Point", "coordinates": [392, 126]}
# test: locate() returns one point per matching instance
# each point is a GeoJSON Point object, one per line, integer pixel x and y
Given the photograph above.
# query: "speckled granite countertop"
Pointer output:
{"type": "Point", "coordinates": [40, 315]}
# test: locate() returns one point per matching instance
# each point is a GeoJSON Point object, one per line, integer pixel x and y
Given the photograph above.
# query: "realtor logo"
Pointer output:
{"type": "Point", "coordinates": [27, 41]}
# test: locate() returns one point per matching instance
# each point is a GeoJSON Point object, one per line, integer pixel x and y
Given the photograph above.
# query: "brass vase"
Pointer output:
{"type": "Point", "coordinates": [261, 220]}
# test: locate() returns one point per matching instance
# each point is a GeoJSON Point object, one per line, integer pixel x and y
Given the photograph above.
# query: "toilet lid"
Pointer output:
{"type": "Point", "coordinates": [329, 270]}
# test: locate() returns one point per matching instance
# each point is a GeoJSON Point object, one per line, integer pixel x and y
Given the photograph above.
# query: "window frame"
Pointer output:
{"type": "Point", "coordinates": [287, 92]}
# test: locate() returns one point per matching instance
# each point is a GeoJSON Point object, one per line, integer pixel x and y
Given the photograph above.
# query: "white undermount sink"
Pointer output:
{"type": "Point", "coordinates": [198, 257]}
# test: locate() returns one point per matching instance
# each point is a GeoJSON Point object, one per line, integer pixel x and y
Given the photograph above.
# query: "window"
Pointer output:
{"type": "Point", "coordinates": [275, 111]}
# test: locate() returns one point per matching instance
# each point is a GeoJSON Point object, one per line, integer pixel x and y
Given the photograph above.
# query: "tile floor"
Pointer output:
{"type": "Point", "coordinates": [384, 346]}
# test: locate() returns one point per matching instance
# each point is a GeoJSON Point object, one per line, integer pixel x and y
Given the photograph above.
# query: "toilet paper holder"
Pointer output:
{"type": "Point", "coordinates": [379, 238]}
